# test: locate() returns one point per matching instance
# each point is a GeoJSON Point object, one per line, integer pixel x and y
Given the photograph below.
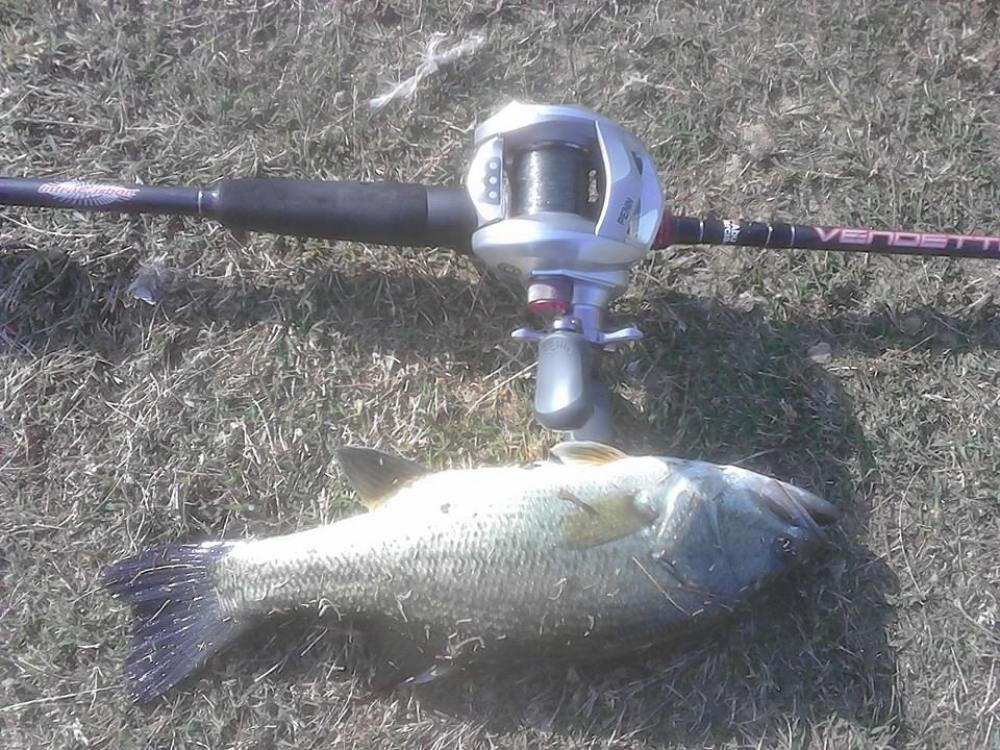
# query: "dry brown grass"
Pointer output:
{"type": "Point", "coordinates": [124, 425]}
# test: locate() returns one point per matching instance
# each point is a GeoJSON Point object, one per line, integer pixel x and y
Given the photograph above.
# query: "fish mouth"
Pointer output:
{"type": "Point", "coordinates": [798, 507]}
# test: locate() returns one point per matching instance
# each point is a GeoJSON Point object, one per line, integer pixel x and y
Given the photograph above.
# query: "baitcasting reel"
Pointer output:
{"type": "Point", "coordinates": [566, 201]}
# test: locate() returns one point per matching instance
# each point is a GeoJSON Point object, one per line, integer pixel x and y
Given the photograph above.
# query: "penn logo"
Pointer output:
{"type": "Point", "coordinates": [626, 212]}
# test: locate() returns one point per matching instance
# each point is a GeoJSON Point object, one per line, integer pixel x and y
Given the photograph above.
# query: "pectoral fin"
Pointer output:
{"type": "Point", "coordinates": [376, 475]}
{"type": "Point", "coordinates": [602, 520]}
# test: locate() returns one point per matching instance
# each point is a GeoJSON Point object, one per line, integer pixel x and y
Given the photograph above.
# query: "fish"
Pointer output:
{"type": "Point", "coordinates": [588, 555]}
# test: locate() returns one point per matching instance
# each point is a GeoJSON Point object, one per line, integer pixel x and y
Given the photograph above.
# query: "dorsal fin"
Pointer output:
{"type": "Point", "coordinates": [376, 475]}
{"type": "Point", "coordinates": [586, 452]}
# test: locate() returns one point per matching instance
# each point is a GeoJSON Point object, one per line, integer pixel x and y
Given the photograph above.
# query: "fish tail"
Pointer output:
{"type": "Point", "coordinates": [179, 618]}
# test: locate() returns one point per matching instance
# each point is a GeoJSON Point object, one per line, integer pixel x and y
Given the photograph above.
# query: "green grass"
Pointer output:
{"type": "Point", "coordinates": [124, 425]}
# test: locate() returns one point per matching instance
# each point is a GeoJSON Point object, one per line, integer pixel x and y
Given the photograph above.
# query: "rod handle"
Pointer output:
{"type": "Point", "coordinates": [384, 213]}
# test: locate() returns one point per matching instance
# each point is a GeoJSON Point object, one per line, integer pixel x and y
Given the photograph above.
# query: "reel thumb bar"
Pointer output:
{"type": "Point", "coordinates": [384, 213]}
{"type": "Point", "coordinates": [684, 230]}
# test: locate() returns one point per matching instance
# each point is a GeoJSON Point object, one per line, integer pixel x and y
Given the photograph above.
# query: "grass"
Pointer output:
{"type": "Point", "coordinates": [123, 425]}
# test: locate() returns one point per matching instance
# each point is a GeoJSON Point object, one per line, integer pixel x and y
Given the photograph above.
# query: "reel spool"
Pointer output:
{"type": "Point", "coordinates": [567, 202]}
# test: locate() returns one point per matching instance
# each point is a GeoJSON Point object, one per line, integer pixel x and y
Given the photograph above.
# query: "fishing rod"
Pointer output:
{"type": "Point", "coordinates": [558, 199]}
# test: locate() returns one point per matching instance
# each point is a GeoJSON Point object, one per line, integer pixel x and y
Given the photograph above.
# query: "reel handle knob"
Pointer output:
{"type": "Point", "coordinates": [568, 396]}
{"type": "Point", "coordinates": [564, 389]}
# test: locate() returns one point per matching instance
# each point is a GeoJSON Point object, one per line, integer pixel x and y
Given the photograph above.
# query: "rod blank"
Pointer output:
{"type": "Point", "coordinates": [685, 230]}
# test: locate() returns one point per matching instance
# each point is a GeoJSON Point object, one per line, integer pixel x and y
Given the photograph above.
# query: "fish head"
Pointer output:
{"type": "Point", "coordinates": [726, 530]}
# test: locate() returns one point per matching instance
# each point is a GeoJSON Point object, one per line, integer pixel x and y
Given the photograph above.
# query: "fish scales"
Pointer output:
{"type": "Point", "coordinates": [480, 547]}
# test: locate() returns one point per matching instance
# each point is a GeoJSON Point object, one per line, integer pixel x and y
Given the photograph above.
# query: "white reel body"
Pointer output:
{"type": "Point", "coordinates": [562, 192]}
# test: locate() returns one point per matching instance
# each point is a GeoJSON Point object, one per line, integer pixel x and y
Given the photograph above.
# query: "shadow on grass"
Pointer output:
{"type": "Point", "coordinates": [48, 302]}
{"type": "Point", "coordinates": [710, 381]}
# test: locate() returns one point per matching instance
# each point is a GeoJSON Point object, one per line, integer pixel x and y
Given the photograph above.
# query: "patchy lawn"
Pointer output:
{"type": "Point", "coordinates": [871, 380]}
